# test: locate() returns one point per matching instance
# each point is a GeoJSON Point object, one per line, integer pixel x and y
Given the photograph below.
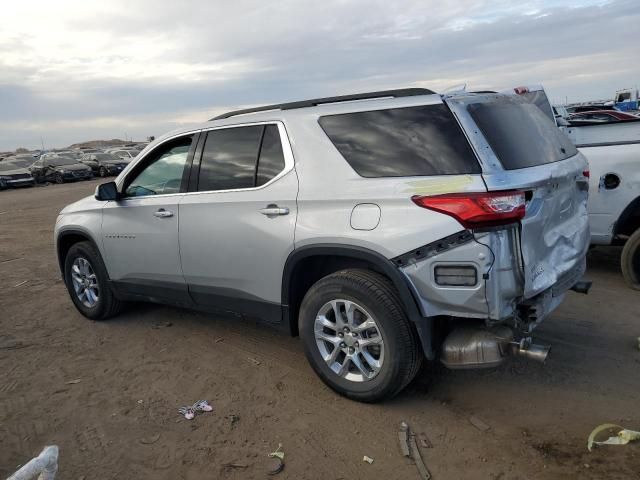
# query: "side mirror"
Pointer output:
{"type": "Point", "coordinates": [107, 191]}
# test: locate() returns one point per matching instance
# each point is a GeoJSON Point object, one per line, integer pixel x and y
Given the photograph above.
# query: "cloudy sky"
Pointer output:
{"type": "Point", "coordinates": [75, 70]}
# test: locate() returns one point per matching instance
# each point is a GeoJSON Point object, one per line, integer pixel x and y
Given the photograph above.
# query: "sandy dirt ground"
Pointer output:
{"type": "Point", "coordinates": [107, 392]}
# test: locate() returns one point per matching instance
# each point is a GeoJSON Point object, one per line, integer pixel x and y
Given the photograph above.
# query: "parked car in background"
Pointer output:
{"type": "Point", "coordinates": [627, 99]}
{"type": "Point", "coordinates": [12, 175]}
{"type": "Point", "coordinates": [381, 227]}
{"type": "Point", "coordinates": [125, 153]}
{"type": "Point", "coordinates": [59, 169]}
{"type": "Point", "coordinates": [601, 116]}
{"type": "Point", "coordinates": [587, 108]}
{"type": "Point", "coordinates": [104, 164]}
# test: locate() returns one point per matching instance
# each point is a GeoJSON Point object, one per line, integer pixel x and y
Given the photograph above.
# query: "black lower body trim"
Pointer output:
{"type": "Point", "coordinates": [204, 298]}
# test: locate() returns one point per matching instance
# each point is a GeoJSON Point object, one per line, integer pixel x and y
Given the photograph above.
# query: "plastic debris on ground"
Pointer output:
{"type": "Point", "coordinates": [409, 448]}
{"type": "Point", "coordinates": [190, 412]}
{"type": "Point", "coordinates": [278, 457]}
{"type": "Point", "coordinates": [622, 436]}
{"type": "Point", "coordinates": [369, 460]}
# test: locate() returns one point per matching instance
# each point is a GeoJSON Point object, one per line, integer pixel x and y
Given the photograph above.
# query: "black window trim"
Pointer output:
{"type": "Point", "coordinates": [287, 152]}
{"type": "Point", "coordinates": [143, 162]}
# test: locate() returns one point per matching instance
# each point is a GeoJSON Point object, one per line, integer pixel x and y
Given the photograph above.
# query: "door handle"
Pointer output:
{"type": "Point", "coordinates": [274, 210]}
{"type": "Point", "coordinates": [162, 213]}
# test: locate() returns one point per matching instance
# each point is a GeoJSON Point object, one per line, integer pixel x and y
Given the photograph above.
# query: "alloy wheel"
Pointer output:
{"type": "Point", "coordinates": [85, 282]}
{"type": "Point", "coordinates": [349, 340]}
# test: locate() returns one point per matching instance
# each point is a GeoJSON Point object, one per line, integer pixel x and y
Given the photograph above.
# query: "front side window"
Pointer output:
{"type": "Point", "coordinates": [240, 157]}
{"type": "Point", "coordinates": [163, 173]}
{"type": "Point", "coordinates": [402, 142]}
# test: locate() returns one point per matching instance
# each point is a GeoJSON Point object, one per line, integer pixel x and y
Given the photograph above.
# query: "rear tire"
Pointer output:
{"type": "Point", "coordinates": [59, 178]}
{"type": "Point", "coordinates": [369, 296]}
{"type": "Point", "coordinates": [102, 172]}
{"type": "Point", "coordinates": [97, 307]}
{"type": "Point", "coordinates": [630, 261]}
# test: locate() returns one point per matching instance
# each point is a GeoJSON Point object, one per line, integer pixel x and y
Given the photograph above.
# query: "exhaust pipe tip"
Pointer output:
{"type": "Point", "coordinates": [532, 351]}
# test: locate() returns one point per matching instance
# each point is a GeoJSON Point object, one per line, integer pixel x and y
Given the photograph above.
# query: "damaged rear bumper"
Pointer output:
{"type": "Point", "coordinates": [495, 293]}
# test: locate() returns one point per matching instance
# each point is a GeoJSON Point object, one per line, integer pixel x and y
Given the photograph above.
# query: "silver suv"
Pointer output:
{"type": "Point", "coordinates": [382, 228]}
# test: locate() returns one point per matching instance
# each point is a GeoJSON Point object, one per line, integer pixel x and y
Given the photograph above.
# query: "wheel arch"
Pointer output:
{"type": "Point", "coordinates": [308, 264]}
{"type": "Point", "coordinates": [67, 239]}
{"type": "Point", "coordinates": [629, 220]}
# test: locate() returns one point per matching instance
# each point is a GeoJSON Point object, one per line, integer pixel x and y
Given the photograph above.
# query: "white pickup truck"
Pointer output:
{"type": "Point", "coordinates": [613, 152]}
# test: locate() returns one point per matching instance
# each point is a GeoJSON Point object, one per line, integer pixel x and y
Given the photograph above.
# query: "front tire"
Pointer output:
{"type": "Point", "coordinates": [630, 261]}
{"type": "Point", "coordinates": [59, 178]}
{"type": "Point", "coordinates": [102, 172]}
{"type": "Point", "coordinates": [357, 337]}
{"type": "Point", "coordinates": [88, 283]}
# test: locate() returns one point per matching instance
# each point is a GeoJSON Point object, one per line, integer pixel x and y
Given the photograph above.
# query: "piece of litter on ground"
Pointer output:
{"type": "Point", "coordinates": [234, 419]}
{"type": "Point", "coordinates": [190, 412]}
{"type": "Point", "coordinates": [150, 440]}
{"type": "Point", "coordinates": [254, 361]}
{"type": "Point", "coordinates": [403, 437]}
{"type": "Point", "coordinates": [140, 401]}
{"type": "Point", "coordinates": [161, 324]}
{"type": "Point", "coordinates": [369, 460]}
{"type": "Point", "coordinates": [20, 284]}
{"type": "Point", "coordinates": [235, 465]}
{"type": "Point", "coordinates": [278, 456]}
{"type": "Point", "coordinates": [479, 424]}
{"type": "Point", "coordinates": [622, 437]}
{"type": "Point", "coordinates": [218, 340]}
{"type": "Point", "coordinates": [417, 458]}
{"type": "Point", "coordinates": [12, 260]}
{"type": "Point", "coordinates": [73, 382]}
{"type": "Point", "coordinates": [424, 441]}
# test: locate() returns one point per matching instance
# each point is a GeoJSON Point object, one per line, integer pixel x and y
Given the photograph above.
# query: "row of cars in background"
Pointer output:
{"type": "Point", "coordinates": [23, 170]}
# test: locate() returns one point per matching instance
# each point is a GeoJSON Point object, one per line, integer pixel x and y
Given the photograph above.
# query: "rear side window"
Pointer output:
{"type": "Point", "coordinates": [240, 157]}
{"type": "Point", "coordinates": [520, 134]}
{"type": "Point", "coordinates": [271, 156]}
{"type": "Point", "coordinates": [402, 142]}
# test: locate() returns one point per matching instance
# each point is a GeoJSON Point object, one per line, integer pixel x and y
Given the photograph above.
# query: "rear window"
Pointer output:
{"type": "Point", "coordinates": [402, 142]}
{"type": "Point", "coordinates": [520, 134]}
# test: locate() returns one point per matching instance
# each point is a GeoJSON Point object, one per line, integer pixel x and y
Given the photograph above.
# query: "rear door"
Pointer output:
{"type": "Point", "coordinates": [237, 223]}
{"type": "Point", "coordinates": [524, 150]}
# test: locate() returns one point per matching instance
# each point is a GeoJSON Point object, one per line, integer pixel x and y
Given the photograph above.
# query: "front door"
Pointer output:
{"type": "Point", "coordinates": [140, 231]}
{"type": "Point", "coordinates": [237, 227]}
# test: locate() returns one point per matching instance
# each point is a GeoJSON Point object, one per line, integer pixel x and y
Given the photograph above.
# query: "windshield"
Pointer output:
{"type": "Point", "coordinates": [6, 166]}
{"type": "Point", "coordinates": [19, 162]}
{"type": "Point", "coordinates": [520, 134]}
{"type": "Point", "coordinates": [60, 161]}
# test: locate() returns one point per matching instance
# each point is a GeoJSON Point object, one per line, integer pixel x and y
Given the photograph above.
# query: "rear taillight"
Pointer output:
{"type": "Point", "coordinates": [586, 173]}
{"type": "Point", "coordinates": [476, 210]}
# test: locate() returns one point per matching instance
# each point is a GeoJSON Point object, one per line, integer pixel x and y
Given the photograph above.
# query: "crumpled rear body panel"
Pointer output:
{"type": "Point", "coordinates": [555, 230]}
{"type": "Point", "coordinates": [495, 255]}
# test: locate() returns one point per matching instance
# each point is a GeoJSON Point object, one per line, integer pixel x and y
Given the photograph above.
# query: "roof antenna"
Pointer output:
{"type": "Point", "coordinates": [461, 87]}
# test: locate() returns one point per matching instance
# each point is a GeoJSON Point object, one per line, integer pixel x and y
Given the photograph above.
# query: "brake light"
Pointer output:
{"type": "Point", "coordinates": [475, 210]}
{"type": "Point", "coordinates": [521, 90]}
{"type": "Point", "coordinates": [586, 173]}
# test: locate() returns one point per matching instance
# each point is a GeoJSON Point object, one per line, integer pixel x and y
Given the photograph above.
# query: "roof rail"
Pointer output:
{"type": "Point", "coordinates": [402, 92]}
